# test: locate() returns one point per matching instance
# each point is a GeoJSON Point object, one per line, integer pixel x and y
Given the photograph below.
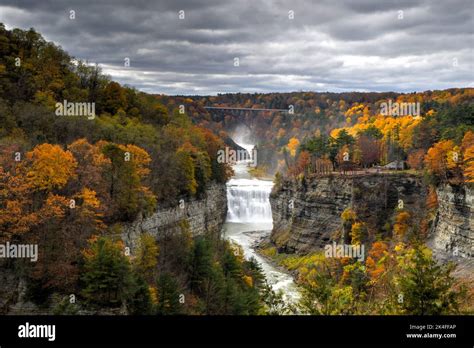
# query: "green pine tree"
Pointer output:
{"type": "Point", "coordinates": [427, 287]}
{"type": "Point", "coordinates": [168, 295]}
{"type": "Point", "coordinates": [106, 277]}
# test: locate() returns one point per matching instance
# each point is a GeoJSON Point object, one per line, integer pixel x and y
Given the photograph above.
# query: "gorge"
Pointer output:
{"type": "Point", "coordinates": [240, 210]}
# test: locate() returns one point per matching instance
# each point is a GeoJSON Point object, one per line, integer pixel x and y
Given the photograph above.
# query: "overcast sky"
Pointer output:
{"type": "Point", "coordinates": [329, 45]}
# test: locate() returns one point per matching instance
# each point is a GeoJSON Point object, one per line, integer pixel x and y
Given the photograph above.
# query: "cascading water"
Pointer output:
{"type": "Point", "coordinates": [247, 200]}
{"type": "Point", "coordinates": [249, 216]}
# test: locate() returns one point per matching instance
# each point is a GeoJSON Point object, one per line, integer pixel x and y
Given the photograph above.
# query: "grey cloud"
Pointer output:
{"type": "Point", "coordinates": [330, 45]}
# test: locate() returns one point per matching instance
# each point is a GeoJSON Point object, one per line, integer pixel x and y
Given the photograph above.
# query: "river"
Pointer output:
{"type": "Point", "coordinates": [249, 217]}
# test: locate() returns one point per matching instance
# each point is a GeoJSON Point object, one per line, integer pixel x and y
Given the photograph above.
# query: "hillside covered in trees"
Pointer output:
{"type": "Point", "coordinates": [68, 183]}
{"type": "Point", "coordinates": [316, 120]}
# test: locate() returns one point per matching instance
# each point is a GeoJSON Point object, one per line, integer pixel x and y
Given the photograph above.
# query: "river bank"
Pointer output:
{"type": "Point", "coordinates": [262, 242]}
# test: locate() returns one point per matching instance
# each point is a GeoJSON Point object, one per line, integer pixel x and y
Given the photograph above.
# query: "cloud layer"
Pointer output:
{"type": "Point", "coordinates": [329, 45]}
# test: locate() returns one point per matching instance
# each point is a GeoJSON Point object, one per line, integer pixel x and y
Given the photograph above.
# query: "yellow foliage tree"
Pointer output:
{"type": "Point", "coordinates": [51, 167]}
{"type": "Point", "coordinates": [89, 198]}
{"type": "Point", "coordinates": [248, 280]}
{"type": "Point", "coordinates": [453, 158]}
{"type": "Point", "coordinates": [348, 215]}
{"type": "Point", "coordinates": [146, 258]}
{"type": "Point", "coordinates": [358, 233]}
{"type": "Point", "coordinates": [139, 158]}
{"type": "Point", "coordinates": [293, 146]}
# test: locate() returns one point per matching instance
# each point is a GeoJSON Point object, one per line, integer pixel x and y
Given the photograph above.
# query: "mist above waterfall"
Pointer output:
{"type": "Point", "coordinates": [242, 135]}
{"type": "Point", "coordinates": [244, 138]}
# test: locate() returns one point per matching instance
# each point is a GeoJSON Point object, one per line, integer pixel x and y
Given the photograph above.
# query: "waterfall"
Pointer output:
{"type": "Point", "coordinates": [249, 216]}
{"type": "Point", "coordinates": [248, 200]}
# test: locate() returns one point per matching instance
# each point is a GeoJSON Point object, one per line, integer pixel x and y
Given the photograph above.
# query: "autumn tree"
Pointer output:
{"type": "Point", "coordinates": [91, 163]}
{"type": "Point", "coordinates": [86, 212]}
{"type": "Point", "coordinates": [317, 295]}
{"type": "Point", "coordinates": [113, 98]}
{"type": "Point", "coordinates": [56, 248]}
{"type": "Point", "coordinates": [467, 147]}
{"type": "Point", "coordinates": [146, 258]}
{"type": "Point", "coordinates": [375, 266]}
{"type": "Point", "coordinates": [293, 146]}
{"type": "Point", "coordinates": [467, 141]}
{"type": "Point", "coordinates": [359, 233]}
{"type": "Point", "coordinates": [469, 164]}
{"type": "Point", "coordinates": [51, 167]}
{"type": "Point", "coordinates": [58, 223]}
{"type": "Point", "coordinates": [128, 166]}
{"type": "Point", "coordinates": [65, 226]}
{"type": "Point", "coordinates": [415, 159]}
{"type": "Point", "coordinates": [348, 217]}
{"type": "Point", "coordinates": [369, 150]}
{"type": "Point", "coordinates": [187, 179]}
{"type": "Point", "coordinates": [436, 160]}
{"type": "Point", "coordinates": [301, 165]}
{"type": "Point", "coordinates": [17, 214]}
{"type": "Point", "coordinates": [343, 159]}
{"type": "Point", "coordinates": [202, 166]}
{"type": "Point", "coordinates": [327, 288]}
{"type": "Point", "coordinates": [220, 171]}
{"type": "Point", "coordinates": [402, 224]}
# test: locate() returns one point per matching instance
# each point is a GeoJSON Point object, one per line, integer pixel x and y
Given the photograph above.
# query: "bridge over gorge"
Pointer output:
{"type": "Point", "coordinates": [241, 113]}
{"type": "Point", "coordinates": [246, 109]}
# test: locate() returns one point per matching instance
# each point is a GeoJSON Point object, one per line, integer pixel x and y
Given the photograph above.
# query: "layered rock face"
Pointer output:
{"type": "Point", "coordinates": [204, 215]}
{"type": "Point", "coordinates": [307, 215]}
{"type": "Point", "coordinates": [453, 231]}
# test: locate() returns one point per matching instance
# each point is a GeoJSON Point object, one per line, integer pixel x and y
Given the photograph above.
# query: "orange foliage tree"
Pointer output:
{"type": "Point", "coordinates": [469, 164]}
{"type": "Point", "coordinates": [17, 215]}
{"type": "Point", "coordinates": [415, 159]}
{"type": "Point", "coordinates": [467, 147]}
{"type": "Point", "coordinates": [301, 164]}
{"type": "Point", "coordinates": [375, 266]}
{"type": "Point", "coordinates": [402, 224]}
{"type": "Point", "coordinates": [436, 160]}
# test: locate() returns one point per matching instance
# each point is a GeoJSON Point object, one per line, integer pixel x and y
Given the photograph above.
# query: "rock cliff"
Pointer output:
{"type": "Point", "coordinates": [307, 214]}
{"type": "Point", "coordinates": [453, 231]}
{"type": "Point", "coordinates": [203, 215]}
